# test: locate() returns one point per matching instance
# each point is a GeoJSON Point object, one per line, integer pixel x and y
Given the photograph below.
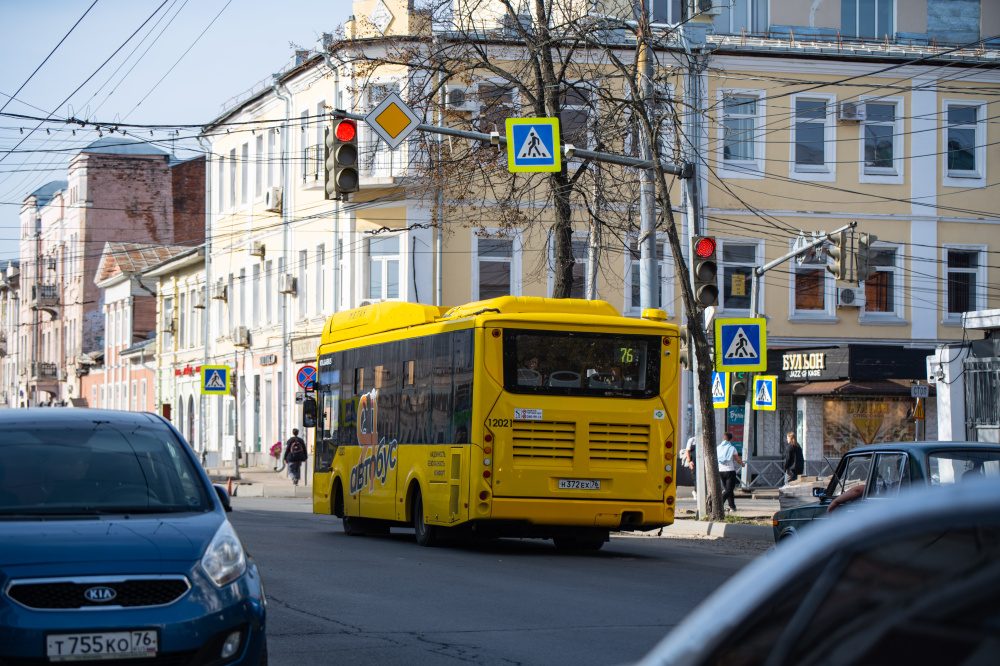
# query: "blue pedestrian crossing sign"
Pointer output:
{"type": "Point", "coordinates": [215, 379]}
{"type": "Point", "coordinates": [740, 345]}
{"type": "Point", "coordinates": [765, 392]}
{"type": "Point", "coordinates": [720, 390]}
{"type": "Point", "coordinates": [533, 145]}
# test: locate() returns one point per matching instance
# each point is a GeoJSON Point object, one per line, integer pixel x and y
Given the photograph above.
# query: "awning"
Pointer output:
{"type": "Point", "coordinates": [848, 388]}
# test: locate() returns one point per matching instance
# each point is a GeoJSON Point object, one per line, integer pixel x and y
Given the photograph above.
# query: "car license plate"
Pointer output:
{"type": "Point", "coordinates": [101, 645]}
{"type": "Point", "coordinates": [579, 484]}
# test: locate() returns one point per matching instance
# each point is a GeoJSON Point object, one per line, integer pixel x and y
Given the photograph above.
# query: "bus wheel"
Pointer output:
{"type": "Point", "coordinates": [352, 526]}
{"type": "Point", "coordinates": [426, 534]}
{"type": "Point", "coordinates": [578, 543]}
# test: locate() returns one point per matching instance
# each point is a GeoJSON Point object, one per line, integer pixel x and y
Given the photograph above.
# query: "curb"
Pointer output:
{"type": "Point", "coordinates": [725, 530]}
{"type": "Point", "coordinates": [270, 490]}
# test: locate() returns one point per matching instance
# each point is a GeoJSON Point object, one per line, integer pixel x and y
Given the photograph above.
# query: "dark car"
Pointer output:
{"type": "Point", "coordinates": [910, 582]}
{"type": "Point", "coordinates": [115, 546]}
{"type": "Point", "coordinates": [880, 471]}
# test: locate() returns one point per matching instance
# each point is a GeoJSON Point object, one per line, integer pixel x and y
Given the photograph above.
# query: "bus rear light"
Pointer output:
{"type": "Point", "coordinates": [668, 480]}
{"type": "Point", "coordinates": [670, 501]}
{"type": "Point", "coordinates": [483, 495]}
{"type": "Point", "coordinates": [669, 444]}
{"type": "Point", "coordinates": [488, 438]}
{"type": "Point", "coordinates": [487, 461]}
{"type": "Point", "coordinates": [666, 342]}
{"type": "Point", "coordinates": [486, 474]}
{"type": "Point", "coordinates": [487, 450]}
{"type": "Point", "coordinates": [496, 332]}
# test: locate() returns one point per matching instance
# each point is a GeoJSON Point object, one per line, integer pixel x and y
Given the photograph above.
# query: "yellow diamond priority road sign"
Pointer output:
{"type": "Point", "coordinates": [393, 120]}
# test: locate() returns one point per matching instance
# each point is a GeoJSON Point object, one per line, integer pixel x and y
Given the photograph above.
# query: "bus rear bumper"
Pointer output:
{"type": "Point", "coordinates": [583, 513]}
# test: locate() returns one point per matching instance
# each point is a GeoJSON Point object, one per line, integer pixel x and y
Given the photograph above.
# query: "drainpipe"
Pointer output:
{"type": "Point", "coordinates": [206, 325]}
{"type": "Point", "coordinates": [286, 207]}
{"type": "Point", "coordinates": [337, 248]}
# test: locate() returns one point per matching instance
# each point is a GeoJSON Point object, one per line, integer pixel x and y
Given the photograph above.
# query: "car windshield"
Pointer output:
{"type": "Point", "coordinates": [952, 466]}
{"type": "Point", "coordinates": [96, 467]}
{"type": "Point", "coordinates": [585, 364]}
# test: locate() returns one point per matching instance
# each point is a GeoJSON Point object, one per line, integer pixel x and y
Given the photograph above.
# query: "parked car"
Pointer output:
{"type": "Point", "coordinates": [114, 544]}
{"type": "Point", "coordinates": [880, 471]}
{"type": "Point", "coordinates": [910, 582]}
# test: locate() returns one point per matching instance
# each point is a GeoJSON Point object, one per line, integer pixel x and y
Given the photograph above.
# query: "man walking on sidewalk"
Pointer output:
{"type": "Point", "coordinates": [728, 459]}
{"type": "Point", "coordinates": [295, 455]}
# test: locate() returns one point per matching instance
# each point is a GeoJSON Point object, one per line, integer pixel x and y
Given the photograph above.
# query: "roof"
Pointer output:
{"type": "Point", "coordinates": [120, 257]}
{"type": "Point", "coordinates": [137, 347]}
{"type": "Point", "coordinates": [45, 193]}
{"type": "Point", "coordinates": [66, 416]}
{"type": "Point", "coordinates": [116, 145]}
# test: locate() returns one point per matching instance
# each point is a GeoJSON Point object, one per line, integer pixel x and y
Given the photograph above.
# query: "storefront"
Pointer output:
{"type": "Point", "coordinates": [838, 398]}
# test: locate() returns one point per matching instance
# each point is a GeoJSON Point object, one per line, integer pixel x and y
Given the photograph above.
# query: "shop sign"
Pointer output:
{"type": "Point", "coordinates": [305, 349]}
{"type": "Point", "coordinates": [268, 359]}
{"type": "Point", "coordinates": [812, 365]}
{"type": "Point", "coordinates": [803, 365]}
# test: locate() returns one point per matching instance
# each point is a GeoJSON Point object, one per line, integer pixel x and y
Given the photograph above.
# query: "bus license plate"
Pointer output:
{"type": "Point", "coordinates": [101, 645]}
{"type": "Point", "coordinates": [579, 484]}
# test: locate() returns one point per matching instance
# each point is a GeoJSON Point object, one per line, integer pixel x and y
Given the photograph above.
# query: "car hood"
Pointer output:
{"type": "Point", "coordinates": [107, 539]}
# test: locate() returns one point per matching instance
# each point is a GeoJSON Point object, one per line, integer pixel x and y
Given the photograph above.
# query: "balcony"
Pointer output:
{"type": "Point", "coordinates": [43, 372]}
{"type": "Point", "coordinates": [44, 297]}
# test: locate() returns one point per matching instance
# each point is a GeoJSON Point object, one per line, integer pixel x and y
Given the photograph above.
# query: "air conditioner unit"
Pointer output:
{"type": "Point", "coordinates": [219, 291]}
{"type": "Point", "coordinates": [272, 200]}
{"type": "Point", "coordinates": [458, 98]}
{"type": "Point", "coordinates": [199, 300]}
{"type": "Point", "coordinates": [241, 336]}
{"type": "Point", "coordinates": [852, 111]}
{"type": "Point", "coordinates": [286, 284]}
{"type": "Point", "coordinates": [710, 7]}
{"type": "Point", "coordinates": [850, 297]}
{"type": "Point", "coordinates": [52, 264]}
{"type": "Point", "coordinates": [256, 249]}
{"type": "Point", "coordinates": [368, 302]}
{"type": "Point", "coordinates": [167, 325]}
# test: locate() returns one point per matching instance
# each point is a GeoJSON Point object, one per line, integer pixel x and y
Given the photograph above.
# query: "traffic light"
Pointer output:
{"type": "Point", "coordinates": [341, 163]}
{"type": "Point", "coordinates": [865, 269]}
{"type": "Point", "coordinates": [739, 384]}
{"type": "Point", "coordinates": [838, 253]}
{"type": "Point", "coordinates": [704, 268]}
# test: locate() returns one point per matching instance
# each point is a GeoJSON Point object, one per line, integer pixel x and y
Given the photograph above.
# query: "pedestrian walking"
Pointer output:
{"type": "Point", "coordinates": [689, 458]}
{"type": "Point", "coordinates": [729, 461]}
{"type": "Point", "coordinates": [794, 462]}
{"type": "Point", "coordinates": [295, 455]}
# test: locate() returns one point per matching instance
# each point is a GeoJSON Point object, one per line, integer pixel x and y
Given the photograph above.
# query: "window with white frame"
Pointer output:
{"type": "Point", "coordinates": [143, 395]}
{"type": "Point", "coordinates": [867, 18]}
{"type": "Point", "coordinates": [966, 279]}
{"type": "Point", "coordinates": [219, 185]}
{"type": "Point", "coordinates": [135, 395]}
{"type": "Point", "coordinates": [884, 289]}
{"type": "Point", "coordinates": [812, 286]}
{"type": "Point", "coordinates": [740, 139]}
{"type": "Point", "coordinates": [633, 278]}
{"type": "Point", "coordinates": [739, 258]}
{"type": "Point", "coordinates": [258, 171]}
{"type": "Point", "coordinates": [661, 120]}
{"type": "Point", "coordinates": [495, 265]}
{"type": "Point", "coordinates": [231, 302]}
{"type": "Point", "coordinates": [316, 151]}
{"type": "Point", "coordinates": [182, 321]}
{"type": "Point", "coordinates": [255, 293]}
{"type": "Point", "coordinates": [245, 174]}
{"type": "Point", "coordinates": [383, 267]}
{"type": "Point", "coordinates": [574, 116]}
{"type": "Point", "coordinates": [304, 162]}
{"type": "Point", "coordinates": [242, 321]}
{"type": "Point", "coordinates": [740, 16]}
{"type": "Point", "coordinates": [272, 140]}
{"type": "Point", "coordinates": [965, 140]}
{"type": "Point", "coordinates": [496, 104]}
{"type": "Point", "coordinates": [578, 247]}
{"type": "Point", "coordinates": [268, 287]}
{"type": "Point", "coordinates": [812, 130]}
{"type": "Point", "coordinates": [302, 284]}
{"type": "Point", "coordinates": [881, 150]}
{"type": "Point", "coordinates": [320, 278]}
{"type": "Point", "coordinates": [232, 179]}
{"type": "Point", "coordinates": [168, 318]}
{"type": "Point", "coordinates": [666, 11]}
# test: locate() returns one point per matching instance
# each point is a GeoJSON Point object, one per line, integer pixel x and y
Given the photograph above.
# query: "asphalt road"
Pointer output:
{"type": "Point", "coordinates": [385, 600]}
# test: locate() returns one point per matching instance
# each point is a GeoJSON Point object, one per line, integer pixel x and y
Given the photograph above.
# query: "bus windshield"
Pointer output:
{"type": "Point", "coordinates": [581, 363]}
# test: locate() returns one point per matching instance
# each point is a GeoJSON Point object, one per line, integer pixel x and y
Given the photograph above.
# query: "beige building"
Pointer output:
{"type": "Point", "coordinates": [813, 117]}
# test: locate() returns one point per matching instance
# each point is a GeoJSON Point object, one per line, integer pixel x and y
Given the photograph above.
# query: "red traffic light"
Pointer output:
{"type": "Point", "coordinates": [705, 247]}
{"type": "Point", "coordinates": [346, 130]}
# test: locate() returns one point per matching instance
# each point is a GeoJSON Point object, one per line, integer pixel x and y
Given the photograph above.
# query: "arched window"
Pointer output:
{"type": "Point", "coordinates": [190, 432]}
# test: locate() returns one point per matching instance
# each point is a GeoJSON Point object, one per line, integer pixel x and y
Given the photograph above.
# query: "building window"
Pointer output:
{"type": "Point", "coordinates": [880, 126]}
{"type": "Point", "coordinates": [320, 278]}
{"type": "Point", "coordinates": [245, 174]}
{"type": "Point", "coordinates": [383, 267]}
{"type": "Point", "coordinates": [735, 271]}
{"type": "Point", "coordinates": [813, 293]}
{"type": "Point", "coordinates": [182, 321]}
{"type": "Point", "coordinates": [255, 293]}
{"type": "Point", "coordinates": [963, 141]}
{"type": "Point", "coordinates": [666, 11]}
{"type": "Point", "coordinates": [493, 264]}
{"type": "Point", "coordinates": [143, 395]}
{"type": "Point", "coordinates": [496, 104]}
{"type": "Point", "coordinates": [811, 122]}
{"type": "Point", "coordinates": [268, 297]}
{"type": "Point", "coordinates": [219, 185]}
{"type": "Point", "coordinates": [739, 16]}
{"type": "Point", "coordinates": [739, 125]}
{"type": "Point", "coordinates": [135, 396]}
{"type": "Point", "coordinates": [882, 290]}
{"type": "Point", "coordinates": [966, 280]}
{"type": "Point", "coordinates": [231, 302]}
{"type": "Point", "coordinates": [243, 313]}
{"type": "Point", "coordinates": [574, 117]}
{"type": "Point", "coordinates": [664, 263]}
{"type": "Point", "coordinates": [867, 18]}
{"type": "Point", "coordinates": [232, 179]}
{"type": "Point", "coordinates": [271, 156]}
{"type": "Point", "coordinates": [303, 284]}
{"type": "Point", "coordinates": [258, 180]}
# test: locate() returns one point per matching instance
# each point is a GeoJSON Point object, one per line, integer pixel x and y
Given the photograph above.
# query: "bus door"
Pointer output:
{"type": "Point", "coordinates": [373, 475]}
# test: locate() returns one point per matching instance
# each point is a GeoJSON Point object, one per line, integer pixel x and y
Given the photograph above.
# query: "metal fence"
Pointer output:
{"type": "Point", "coordinates": [768, 473]}
{"type": "Point", "coordinates": [982, 399]}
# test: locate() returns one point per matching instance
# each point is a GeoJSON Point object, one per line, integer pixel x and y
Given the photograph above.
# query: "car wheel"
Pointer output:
{"type": "Point", "coordinates": [426, 534]}
{"type": "Point", "coordinates": [352, 526]}
{"type": "Point", "coordinates": [786, 536]}
{"type": "Point", "coordinates": [578, 543]}
{"type": "Point", "coordinates": [263, 654]}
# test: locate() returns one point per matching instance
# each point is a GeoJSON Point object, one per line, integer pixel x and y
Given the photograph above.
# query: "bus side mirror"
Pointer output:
{"type": "Point", "coordinates": [309, 413]}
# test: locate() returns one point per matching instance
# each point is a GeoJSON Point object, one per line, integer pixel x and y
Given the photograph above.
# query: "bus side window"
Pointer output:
{"type": "Point", "coordinates": [464, 345]}
{"type": "Point", "coordinates": [441, 432]}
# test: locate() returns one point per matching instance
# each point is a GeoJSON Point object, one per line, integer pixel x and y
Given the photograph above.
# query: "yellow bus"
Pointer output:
{"type": "Point", "coordinates": [526, 417]}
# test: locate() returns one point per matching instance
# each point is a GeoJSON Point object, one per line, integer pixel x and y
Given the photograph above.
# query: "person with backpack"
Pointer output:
{"type": "Point", "coordinates": [295, 455]}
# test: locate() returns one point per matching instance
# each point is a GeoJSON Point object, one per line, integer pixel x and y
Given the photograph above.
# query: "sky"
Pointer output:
{"type": "Point", "coordinates": [157, 62]}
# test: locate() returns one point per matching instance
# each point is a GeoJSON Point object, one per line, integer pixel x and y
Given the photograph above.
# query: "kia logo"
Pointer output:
{"type": "Point", "coordinates": [100, 594]}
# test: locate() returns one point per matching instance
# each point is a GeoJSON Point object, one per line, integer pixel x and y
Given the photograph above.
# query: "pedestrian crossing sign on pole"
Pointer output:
{"type": "Point", "coordinates": [765, 392]}
{"type": "Point", "coordinates": [215, 379]}
{"type": "Point", "coordinates": [533, 145]}
{"type": "Point", "coordinates": [720, 390]}
{"type": "Point", "coordinates": [740, 345]}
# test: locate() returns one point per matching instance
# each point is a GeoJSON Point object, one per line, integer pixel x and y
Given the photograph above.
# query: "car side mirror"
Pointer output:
{"type": "Point", "coordinates": [223, 497]}
{"type": "Point", "coordinates": [819, 492]}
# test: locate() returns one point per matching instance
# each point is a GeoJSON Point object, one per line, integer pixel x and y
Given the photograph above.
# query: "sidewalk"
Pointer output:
{"type": "Point", "coordinates": [759, 505]}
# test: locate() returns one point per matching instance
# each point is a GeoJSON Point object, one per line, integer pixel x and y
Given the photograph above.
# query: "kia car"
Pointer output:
{"type": "Point", "coordinates": [115, 546]}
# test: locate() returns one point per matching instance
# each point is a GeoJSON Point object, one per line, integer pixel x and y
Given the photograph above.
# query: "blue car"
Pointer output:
{"type": "Point", "coordinates": [115, 546]}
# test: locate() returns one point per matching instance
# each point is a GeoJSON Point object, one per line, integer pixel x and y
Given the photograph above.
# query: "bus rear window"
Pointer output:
{"type": "Point", "coordinates": [583, 364]}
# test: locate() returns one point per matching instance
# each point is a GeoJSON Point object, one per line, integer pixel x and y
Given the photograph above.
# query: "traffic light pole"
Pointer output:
{"type": "Point", "coordinates": [755, 277]}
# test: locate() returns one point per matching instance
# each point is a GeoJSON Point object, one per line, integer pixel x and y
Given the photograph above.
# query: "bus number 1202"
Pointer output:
{"type": "Point", "coordinates": [498, 423]}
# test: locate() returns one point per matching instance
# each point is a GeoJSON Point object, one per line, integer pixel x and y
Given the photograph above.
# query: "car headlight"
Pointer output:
{"type": "Point", "coordinates": [224, 560]}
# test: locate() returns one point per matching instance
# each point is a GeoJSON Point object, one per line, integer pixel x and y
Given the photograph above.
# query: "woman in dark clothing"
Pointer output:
{"type": "Point", "coordinates": [794, 463]}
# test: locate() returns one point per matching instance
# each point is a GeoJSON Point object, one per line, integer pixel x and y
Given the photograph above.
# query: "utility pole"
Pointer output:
{"type": "Point", "coordinates": [647, 195]}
